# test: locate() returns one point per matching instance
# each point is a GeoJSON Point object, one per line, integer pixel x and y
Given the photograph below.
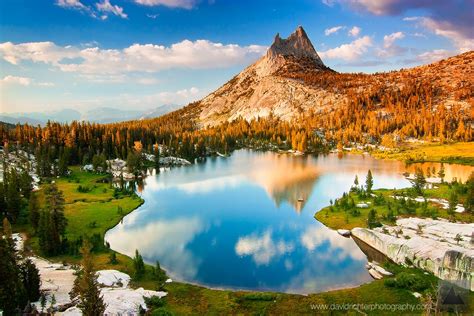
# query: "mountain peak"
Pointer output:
{"type": "Point", "coordinates": [297, 45]}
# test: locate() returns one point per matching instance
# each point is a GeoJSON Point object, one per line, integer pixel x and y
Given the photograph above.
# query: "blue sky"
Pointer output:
{"type": "Point", "coordinates": [140, 54]}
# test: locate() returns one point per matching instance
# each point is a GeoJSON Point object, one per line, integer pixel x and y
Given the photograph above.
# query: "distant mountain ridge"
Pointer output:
{"type": "Point", "coordinates": [102, 115]}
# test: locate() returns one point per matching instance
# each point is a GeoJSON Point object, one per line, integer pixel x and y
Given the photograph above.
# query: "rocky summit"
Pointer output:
{"type": "Point", "coordinates": [296, 49]}
{"type": "Point", "coordinates": [263, 88]}
{"type": "Point", "coordinates": [291, 81]}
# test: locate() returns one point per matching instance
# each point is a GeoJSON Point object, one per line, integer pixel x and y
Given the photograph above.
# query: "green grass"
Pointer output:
{"type": "Point", "coordinates": [336, 218]}
{"type": "Point", "coordinates": [99, 206]}
{"type": "Point", "coordinates": [460, 153]}
{"type": "Point", "coordinates": [185, 299]}
{"type": "Point", "coordinates": [95, 211]}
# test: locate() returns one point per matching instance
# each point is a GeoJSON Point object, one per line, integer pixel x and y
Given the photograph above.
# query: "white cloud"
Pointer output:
{"type": "Point", "coordinates": [382, 7]}
{"type": "Point", "coordinates": [411, 18]}
{"type": "Point", "coordinates": [450, 20]}
{"type": "Point", "coordinates": [418, 34]}
{"type": "Point", "coordinates": [200, 54]}
{"type": "Point", "coordinates": [183, 96]}
{"type": "Point", "coordinates": [262, 248]}
{"type": "Point", "coordinates": [75, 4]}
{"type": "Point", "coordinates": [46, 84]}
{"type": "Point", "coordinates": [389, 40]}
{"type": "Point", "coordinates": [434, 55]}
{"type": "Point", "coordinates": [355, 31]}
{"type": "Point", "coordinates": [153, 16]}
{"type": "Point", "coordinates": [24, 81]}
{"type": "Point", "coordinates": [464, 42]}
{"type": "Point", "coordinates": [351, 51]}
{"type": "Point", "coordinates": [390, 48]}
{"type": "Point", "coordinates": [107, 7]}
{"type": "Point", "coordinates": [333, 30]}
{"type": "Point", "coordinates": [185, 4]}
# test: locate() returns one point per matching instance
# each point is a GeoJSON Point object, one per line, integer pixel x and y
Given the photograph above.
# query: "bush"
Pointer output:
{"type": "Point", "coordinates": [408, 281]}
{"type": "Point", "coordinates": [259, 297]}
{"type": "Point", "coordinates": [83, 189]}
{"type": "Point", "coordinates": [154, 302]}
{"type": "Point", "coordinates": [113, 258]}
{"type": "Point", "coordinates": [162, 311]}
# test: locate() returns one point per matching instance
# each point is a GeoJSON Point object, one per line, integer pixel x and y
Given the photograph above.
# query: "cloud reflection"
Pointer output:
{"type": "Point", "coordinates": [338, 247]}
{"type": "Point", "coordinates": [165, 240]}
{"type": "Point", "coordinates": [262, 248]}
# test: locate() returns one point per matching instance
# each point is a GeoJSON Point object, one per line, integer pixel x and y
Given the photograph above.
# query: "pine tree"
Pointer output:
{"type": "Point", "coordinates": [31, 280]}
{"type": "Point", "coordinates": [34, 211]}
{"type": "Point", "coordinates": [86, 287]}
{"type": "Point", "coordinates": [372, 219]}
{"type": "Point", "coordinates": [55, 205]}
{"type": "Point", "coordinates": [157, 158]}
{"type": "Point", "coordinates": [369, 182]}
{"type": "Point", "coordinates": [12, 292]}
{"type": "Point", "coordinates": [44, 233]}
{"type": "Point", "coordinates": [452, 203]}
{"type": "Point", "coordinates": [13, 195]}
{"type": "Point", "coordinates": [52, 222]}
{"type": "Point", "coordinates": [469, 201]}
{"type": "Point", "coordinates": [3, 203]}
{"type": "Point", "coordinates": [419, 182]}
{"type": "Point", "coordinates": [138, 265]}
{"type": "Point", "coordinates": [25, 184]}
{"type": "Point", "coordinates": [441, 173]}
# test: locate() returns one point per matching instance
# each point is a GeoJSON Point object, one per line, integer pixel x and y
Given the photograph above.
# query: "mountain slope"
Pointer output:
{"type": "Point", "coordinates": [291, 81]}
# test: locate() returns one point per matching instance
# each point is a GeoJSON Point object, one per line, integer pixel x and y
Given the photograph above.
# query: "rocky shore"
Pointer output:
{"type": "Point", "coordinates": [58, 279]}
{"type": "Point", "coordinates": [440, 247]}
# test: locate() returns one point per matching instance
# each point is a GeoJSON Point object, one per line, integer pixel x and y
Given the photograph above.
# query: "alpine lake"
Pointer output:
{"type": "Point", "coordinates": [247, 221]}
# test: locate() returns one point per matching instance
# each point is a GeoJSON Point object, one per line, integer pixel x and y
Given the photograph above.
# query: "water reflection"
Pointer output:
{"type": "Point", "coordinates": [172, 236]}
{"type": "Point", "coordinates": [246, 222]}
{"type": "Point", "coordinates": [262, 248]}
{"type": "Point", "coordinates": [285, 178]}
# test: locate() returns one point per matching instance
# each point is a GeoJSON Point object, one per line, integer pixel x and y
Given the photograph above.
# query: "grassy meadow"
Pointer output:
{"type": "Point", "coordinates": [460, 153]}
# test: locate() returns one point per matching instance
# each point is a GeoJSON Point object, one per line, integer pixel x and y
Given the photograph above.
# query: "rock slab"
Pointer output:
{"type": "Point", "coordinates": [440, 247]}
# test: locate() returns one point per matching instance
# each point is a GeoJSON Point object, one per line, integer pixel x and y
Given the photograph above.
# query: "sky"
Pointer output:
{"type": "Point", "coordinates": [140, 54]}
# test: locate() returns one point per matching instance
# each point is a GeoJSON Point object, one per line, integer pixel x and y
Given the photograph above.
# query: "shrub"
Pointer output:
{"type": "Point", "coordinates": [408, 281]}
{"type": "Point", "coordinates": [259, 297]}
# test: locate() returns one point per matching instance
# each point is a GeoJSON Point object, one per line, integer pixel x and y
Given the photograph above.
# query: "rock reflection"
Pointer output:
{"type": "Point", "coordinates": [285, 178]}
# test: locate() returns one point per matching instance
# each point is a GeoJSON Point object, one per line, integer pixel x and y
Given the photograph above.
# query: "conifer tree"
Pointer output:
{"type": "Point", "coordinates": [34, 211]}
{"type": "Point", "coordinates": [419, 181]}
{"type": "Point", "coordinates": [31, 280]}
{"type": "Point", "coordinates": [369, 182]}
{"type": "Point", "coordinates": [86, 287]}
{"type": "Point", "coordinates": [12, 291]}
{"type": "Point", "coordinates": [138, 265]}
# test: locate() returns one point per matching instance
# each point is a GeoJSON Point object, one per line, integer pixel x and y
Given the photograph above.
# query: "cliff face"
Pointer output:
{"type": "Point", "coordinates": [427, 244]}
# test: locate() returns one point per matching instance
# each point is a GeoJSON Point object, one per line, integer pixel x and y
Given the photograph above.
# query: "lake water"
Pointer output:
{"type": "Point", "coordinates": [247, 221]}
